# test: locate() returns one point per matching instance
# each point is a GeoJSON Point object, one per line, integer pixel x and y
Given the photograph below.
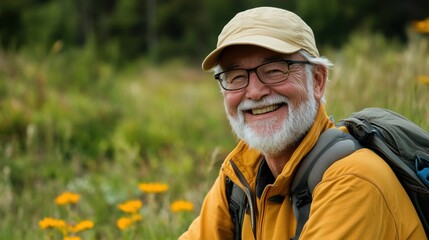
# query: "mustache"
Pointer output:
{"type": "Point", "coordinates": [249, 104]}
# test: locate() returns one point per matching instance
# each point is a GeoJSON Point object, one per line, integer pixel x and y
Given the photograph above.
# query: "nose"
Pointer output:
{"type": "Point", "coordinates": [256, 89]}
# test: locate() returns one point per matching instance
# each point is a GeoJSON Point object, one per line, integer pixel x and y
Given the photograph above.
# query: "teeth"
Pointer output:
{"type": "Point", "coordinates": [265, 109]}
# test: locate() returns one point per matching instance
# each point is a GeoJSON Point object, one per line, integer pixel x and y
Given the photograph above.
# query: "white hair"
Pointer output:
{"type": "Point", "coordinates": [323, 61]}
{"type": "Point", "coordinates": [316, 60]}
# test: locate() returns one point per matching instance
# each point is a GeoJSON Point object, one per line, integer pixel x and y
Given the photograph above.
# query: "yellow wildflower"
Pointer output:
{"type": "Point", "coordinates": [421, 26]}
{"type": "Point", "coordinates": [67, 198]}
{"type": "Point", "coordinates": [424, 79]}
{"type": "Point", "coordinates": [153, 187]}
{"type": "Point", "coordinates": [131, 206]}
{"type": "Point", "coordinates": [124, 222]}
{"type": "Point", "coordinates": [51, 223]}
{"type": "Point", "coordinates": [181, 205]}
{"type": "Point", "coordinates": [72, 238]}
{"type": "Point", "coordinates": [80, 226]}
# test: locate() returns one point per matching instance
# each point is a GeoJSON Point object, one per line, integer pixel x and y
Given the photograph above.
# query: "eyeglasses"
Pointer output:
{"type": "Point", "coordinates": [268, 73]}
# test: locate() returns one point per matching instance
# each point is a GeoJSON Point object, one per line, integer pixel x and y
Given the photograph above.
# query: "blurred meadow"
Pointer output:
{"type": "Point", "coordinates": [96, 144]}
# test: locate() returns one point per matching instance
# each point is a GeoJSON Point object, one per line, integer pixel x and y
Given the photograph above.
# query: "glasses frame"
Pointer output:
{"type": "Point", "coordinates": [255, 69]}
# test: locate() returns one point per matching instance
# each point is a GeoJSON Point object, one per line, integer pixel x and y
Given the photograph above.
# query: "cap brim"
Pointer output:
{"type": "Point", "coordinates": [270, 43]}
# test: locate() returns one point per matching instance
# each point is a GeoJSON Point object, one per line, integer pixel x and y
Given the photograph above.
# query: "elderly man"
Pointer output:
{"type": "Point", "coordinates": [273, 82]}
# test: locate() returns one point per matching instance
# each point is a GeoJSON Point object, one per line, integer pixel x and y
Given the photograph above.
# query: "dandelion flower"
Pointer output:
{"type": "Point", "coordinates": [153, 187]}
{"type": "Point", "coordinates": [424, 79]}
{"type": "Point", "coordinates": [131, 206]}
{"type": "Point", "coordinates": [67, 198]}
{"type": "Point", "coordinates": [124, 222]}
{"type": "Point", "coordinates": [83, 225]}
{"type": "Point", "coordinates": [51, 223]}
{"type": "Point", "coordinates": [178, 206]}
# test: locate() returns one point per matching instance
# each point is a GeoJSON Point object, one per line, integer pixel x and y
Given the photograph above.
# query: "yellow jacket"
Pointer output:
{"type": "Point", "coordinates": [359, 197]}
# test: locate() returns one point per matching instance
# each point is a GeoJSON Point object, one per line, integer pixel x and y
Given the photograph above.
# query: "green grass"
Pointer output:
{"type": "Point", "coordinates": [72, 122]}
{"type": "Point", "coordinates": [372, 72]}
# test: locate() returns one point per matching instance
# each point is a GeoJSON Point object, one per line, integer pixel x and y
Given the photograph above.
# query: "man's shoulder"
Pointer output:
{"type": "Point", "coordinates": [365, 165]}
{"type": "Point", "coordinates": [363, 173]}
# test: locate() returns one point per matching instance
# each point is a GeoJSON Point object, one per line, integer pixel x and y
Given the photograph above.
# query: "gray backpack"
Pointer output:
{"type": "Point", "coordinates": [401, 143]}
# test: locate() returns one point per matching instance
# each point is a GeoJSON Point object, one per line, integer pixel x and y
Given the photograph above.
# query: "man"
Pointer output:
{"type": "Point", "coordinates": [273, 82]}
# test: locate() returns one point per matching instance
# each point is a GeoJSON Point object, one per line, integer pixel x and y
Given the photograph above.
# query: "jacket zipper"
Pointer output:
{"type": "Point", "coordinates": [262, 213]}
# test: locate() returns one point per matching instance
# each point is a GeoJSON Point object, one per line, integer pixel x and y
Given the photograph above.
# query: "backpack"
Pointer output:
{"type": "Point", "coordinates": [401, 143]}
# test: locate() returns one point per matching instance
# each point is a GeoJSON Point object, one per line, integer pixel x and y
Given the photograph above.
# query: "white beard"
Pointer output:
{"type": "Point", "coordinates": [271, 141]}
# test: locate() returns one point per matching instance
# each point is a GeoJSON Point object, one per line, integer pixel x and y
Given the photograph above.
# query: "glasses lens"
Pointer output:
{"type": "Point", "coordinates": [234, 79]}
{"type": "Point", "coordinates": [273, 72]}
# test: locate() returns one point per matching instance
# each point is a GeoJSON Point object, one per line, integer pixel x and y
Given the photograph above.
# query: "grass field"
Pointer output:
{"type": "Point", "coordinates": [71, 122]}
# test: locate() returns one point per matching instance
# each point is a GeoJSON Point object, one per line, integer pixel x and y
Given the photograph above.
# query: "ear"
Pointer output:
{"type": "Point", "coordinates": [320, 76]}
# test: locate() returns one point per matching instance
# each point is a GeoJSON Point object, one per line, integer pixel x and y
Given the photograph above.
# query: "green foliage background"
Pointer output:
{"type": "Point", "coordinates": [94, 101]}
{"type": "Point", "coordinates": [159, 29]}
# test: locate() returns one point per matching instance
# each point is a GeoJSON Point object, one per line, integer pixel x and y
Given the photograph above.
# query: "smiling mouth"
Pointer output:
{"type": "Point", "coordinates": [271, 108]}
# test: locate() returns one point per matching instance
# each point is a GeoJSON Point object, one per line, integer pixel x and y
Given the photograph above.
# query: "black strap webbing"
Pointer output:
{"type": "Point", "coordinates": [237, 206]}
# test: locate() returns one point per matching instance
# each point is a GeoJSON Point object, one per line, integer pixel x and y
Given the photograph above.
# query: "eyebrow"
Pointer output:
{"type": "Point", "coordinates": [274, 58]}
{"type": "Point", "coordinates": [230, 67]}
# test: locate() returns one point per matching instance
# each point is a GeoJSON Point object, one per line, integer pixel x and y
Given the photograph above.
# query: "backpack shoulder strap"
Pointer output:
{"type": "Point", "coordinates": [331, 146]}
{"type": "Point", "coordinates": [237, 205]}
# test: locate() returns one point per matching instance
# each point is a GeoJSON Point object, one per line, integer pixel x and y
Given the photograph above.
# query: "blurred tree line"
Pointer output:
{"type": "Point", "coordinates": [161, 29]}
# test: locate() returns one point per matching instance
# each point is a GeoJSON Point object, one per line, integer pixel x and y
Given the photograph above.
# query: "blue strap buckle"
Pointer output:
{"type": "Point", "coordinates": [422, 169]}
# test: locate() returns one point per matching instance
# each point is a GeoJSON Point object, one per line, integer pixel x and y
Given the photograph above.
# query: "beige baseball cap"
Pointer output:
{"type": "Point", "coordinates": [273, 28]}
